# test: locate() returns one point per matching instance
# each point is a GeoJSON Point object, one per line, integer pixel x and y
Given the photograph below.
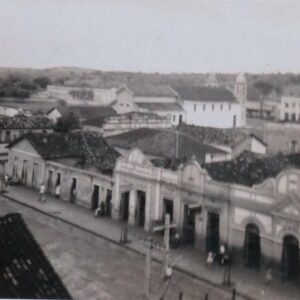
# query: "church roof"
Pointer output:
{"type": "Point", "coordinates": [150, 90]}
{"type": "Point", "coordinates": [205, 93]}
{"type": "Point", "coordinates": [163, 144]}
{"type": "Point", "coordinates": [26, 273]}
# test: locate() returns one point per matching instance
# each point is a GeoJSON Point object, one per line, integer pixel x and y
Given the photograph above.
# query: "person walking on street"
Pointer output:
{"type": "Point", "coordinates": [42, 193]}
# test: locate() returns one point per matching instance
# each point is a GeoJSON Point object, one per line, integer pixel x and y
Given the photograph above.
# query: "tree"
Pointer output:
{"type": "Point", "coordinates": [42, 81]}
{"type": "Point", "coordinates": [67, 122]}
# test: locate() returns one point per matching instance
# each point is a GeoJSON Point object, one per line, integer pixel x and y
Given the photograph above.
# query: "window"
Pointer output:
{"type": "Point", "coordinates": [234, 121]}
{"type": "Point", "coordinates": [294, 105]}
{"type": "Point", "coordinates": [174, 118]}
{"type": "Point", "coordinates": [203, 107]}
{"type": "Point", "coordinates": [229, 106]}
{"type": "Point", "coordinates": [195, 107]}
{"type": "Point", "coordinates": [286, 105]}
{"type": "Point", "coordinates": [212, 107]}
{"type": "Point", "coordinates": [293, 117]}
{"type": "Point", "coordinates": [121, 104]}
{"type": "Point", "coordinates": [221, 107]}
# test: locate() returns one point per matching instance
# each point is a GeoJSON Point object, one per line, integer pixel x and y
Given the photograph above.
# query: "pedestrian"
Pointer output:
{"type": "Point", "coordinates": [222, 254]}
{"type": "Point", "coordinates": [268, 276]}
{"type": "Point", "coordinates": [6, 181]}
{"type": "Point", "coordinates": [57, 191]}
{"type": "Point", "coordinates": [210, 258]}
{"type": "Point", "coordinates": [42, 193]}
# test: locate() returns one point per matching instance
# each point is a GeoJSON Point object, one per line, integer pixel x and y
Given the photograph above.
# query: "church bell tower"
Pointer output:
{"type": "Point", "coordinates": [240, 92]}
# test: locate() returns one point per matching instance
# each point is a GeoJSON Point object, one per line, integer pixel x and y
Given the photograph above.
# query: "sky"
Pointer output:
{"type": "Point", "coordinates": [164, 36]}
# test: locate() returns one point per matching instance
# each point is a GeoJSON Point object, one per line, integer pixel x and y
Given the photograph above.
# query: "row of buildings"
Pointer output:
{"type": "Point", "coordinates": [214, 191]}
{"type": "Point", "coordinates": [210, 105]}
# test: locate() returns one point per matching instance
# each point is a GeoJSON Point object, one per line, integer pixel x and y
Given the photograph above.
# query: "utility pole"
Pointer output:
{"type": "Point", "coordinates": [148, 269]}
{"type": "Point", "coordinates": [166, 228]}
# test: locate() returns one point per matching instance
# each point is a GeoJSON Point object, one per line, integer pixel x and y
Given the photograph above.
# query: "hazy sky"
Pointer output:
{"type": "Point", "coordinates": [152, 35]}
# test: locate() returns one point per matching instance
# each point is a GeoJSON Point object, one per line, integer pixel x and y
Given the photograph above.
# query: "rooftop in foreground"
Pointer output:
{"type": "Point", "coordinates": [26, 272]}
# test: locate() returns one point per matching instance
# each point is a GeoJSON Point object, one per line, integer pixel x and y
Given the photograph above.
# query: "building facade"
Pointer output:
{"type": "Point", "coordinates": [211, 105]}
{"type": "Point", "coordinates": [74, 95]}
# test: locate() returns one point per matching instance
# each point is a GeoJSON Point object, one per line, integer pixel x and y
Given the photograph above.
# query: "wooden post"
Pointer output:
{"type": "Point", "coordinates": [206, 296]}
{"type": "Point", "coordinates": [233, 294]}
{"type": "Point", "coordinates": [180, 296]}
{"type": "Point", "coordinates": [148, 269]}
{"type": "Point", "coordinates": [167, 242]}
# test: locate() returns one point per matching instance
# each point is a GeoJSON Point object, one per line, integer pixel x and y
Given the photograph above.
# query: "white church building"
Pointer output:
{"type": "Point", "coordinates": [215, 106]}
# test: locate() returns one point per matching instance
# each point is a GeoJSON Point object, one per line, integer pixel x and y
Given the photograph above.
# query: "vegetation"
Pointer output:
{"type": "Point", "coordinates": [19, 86]}
{"type": "Point", "coordinates": [67, 122]}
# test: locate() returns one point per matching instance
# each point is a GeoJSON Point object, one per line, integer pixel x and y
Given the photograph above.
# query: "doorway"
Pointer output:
{"type": "Point", "coordinates": [35, 175]}
{"type": "Point", "coordinates": [95, 197]}
{"type": "Point", "coordinates": [108, 202]}
{"type": "Point", "coordinates": [141, 208]}
{"type": "Point", "coordinates": [213, 232]}
{"type": "Point", "coordinates": [252, 251]}
{"type": "Point", "coordinates": [290, 258]}
{"type": "Point", "coordinates": [73, 190]}
{"type": "Point", "coordinates": [24, 172]}
{"type": "Point", "coordinates": [168, 208]}
{"type": "Point", "coordinates": [124, 207]}
{"type": "Point", "coordinates": [49, 180]}
{"type": "Point", "coordinates": [189, 225]}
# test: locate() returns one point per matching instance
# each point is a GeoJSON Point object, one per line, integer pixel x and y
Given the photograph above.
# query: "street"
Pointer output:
{"type": "Point", "coordinates": [105, 270]}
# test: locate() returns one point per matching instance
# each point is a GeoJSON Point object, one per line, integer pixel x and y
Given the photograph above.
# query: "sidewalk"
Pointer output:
{"type": "Point", "coordinates": [248, 283]}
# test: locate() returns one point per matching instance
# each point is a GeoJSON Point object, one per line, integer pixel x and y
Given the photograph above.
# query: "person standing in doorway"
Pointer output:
{"type": "Point", "coordinates": [57, 191]}
{"type": "Point", "coordinates": [42, 193]}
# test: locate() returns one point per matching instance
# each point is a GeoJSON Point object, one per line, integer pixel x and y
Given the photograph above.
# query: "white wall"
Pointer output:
{"type": "Point", "coordinates": [152, 99]}
{"type": "Point", "coordinates": [290, 105]}
{"type": "Point", "coordinates": [212, 114]}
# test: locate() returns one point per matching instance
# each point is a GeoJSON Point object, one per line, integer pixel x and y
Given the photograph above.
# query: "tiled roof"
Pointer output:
{"type": "Point", "coordinates": [162, 143]}
{"type": "Point", "coordinates": [151, 90]}
{"type": "Point", "coordinates": [248, 169]}
{"type": "Point", "coordinates": [86, 112]}
{"type": "Point", "coordinates": [24, 122]}
{"type": "Point", "coordinates": [217, 136]}
{"type": "Point", "coordinates": [205, 93]}
{"type": "Point", "coordinates": [26, 273]}
{"type": "Point", "coordinates": [91, 148]}
{"type": "Point", "coordinates": [173, 106]}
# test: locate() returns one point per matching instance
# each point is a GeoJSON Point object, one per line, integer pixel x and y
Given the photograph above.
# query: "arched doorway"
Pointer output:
{"type": "Point", "coordinates": [252, 252]}
{"type": "Point", "coordinates": [290, 258]}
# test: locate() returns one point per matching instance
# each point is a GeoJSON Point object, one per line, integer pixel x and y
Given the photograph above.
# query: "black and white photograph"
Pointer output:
{"type": "Point", "coordinates": [150, 149]}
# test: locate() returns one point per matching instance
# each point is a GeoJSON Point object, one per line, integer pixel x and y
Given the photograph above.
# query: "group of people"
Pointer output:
{"type": "Point", "coordinates": [222, 257]}
{"type": "Point", "coordinates": [42, 192]}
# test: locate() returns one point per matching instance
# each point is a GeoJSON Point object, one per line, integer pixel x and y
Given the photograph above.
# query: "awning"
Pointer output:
{"type": "Point", "coordinates": [197, 207]}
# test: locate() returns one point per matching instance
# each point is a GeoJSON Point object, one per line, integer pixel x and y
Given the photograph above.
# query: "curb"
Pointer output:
{"type": "Point", "coordinates": [129, 248]}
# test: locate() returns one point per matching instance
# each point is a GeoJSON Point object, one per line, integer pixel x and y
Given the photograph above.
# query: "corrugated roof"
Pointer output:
{"type": "Point", "coordinates": [26, 273]}
{"type": "Point", "coordinates": [172, 106]}
{"type": "Point", "coordinates": [162, 143]}
{"type": "Point", "coordinates": [205, 93]}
